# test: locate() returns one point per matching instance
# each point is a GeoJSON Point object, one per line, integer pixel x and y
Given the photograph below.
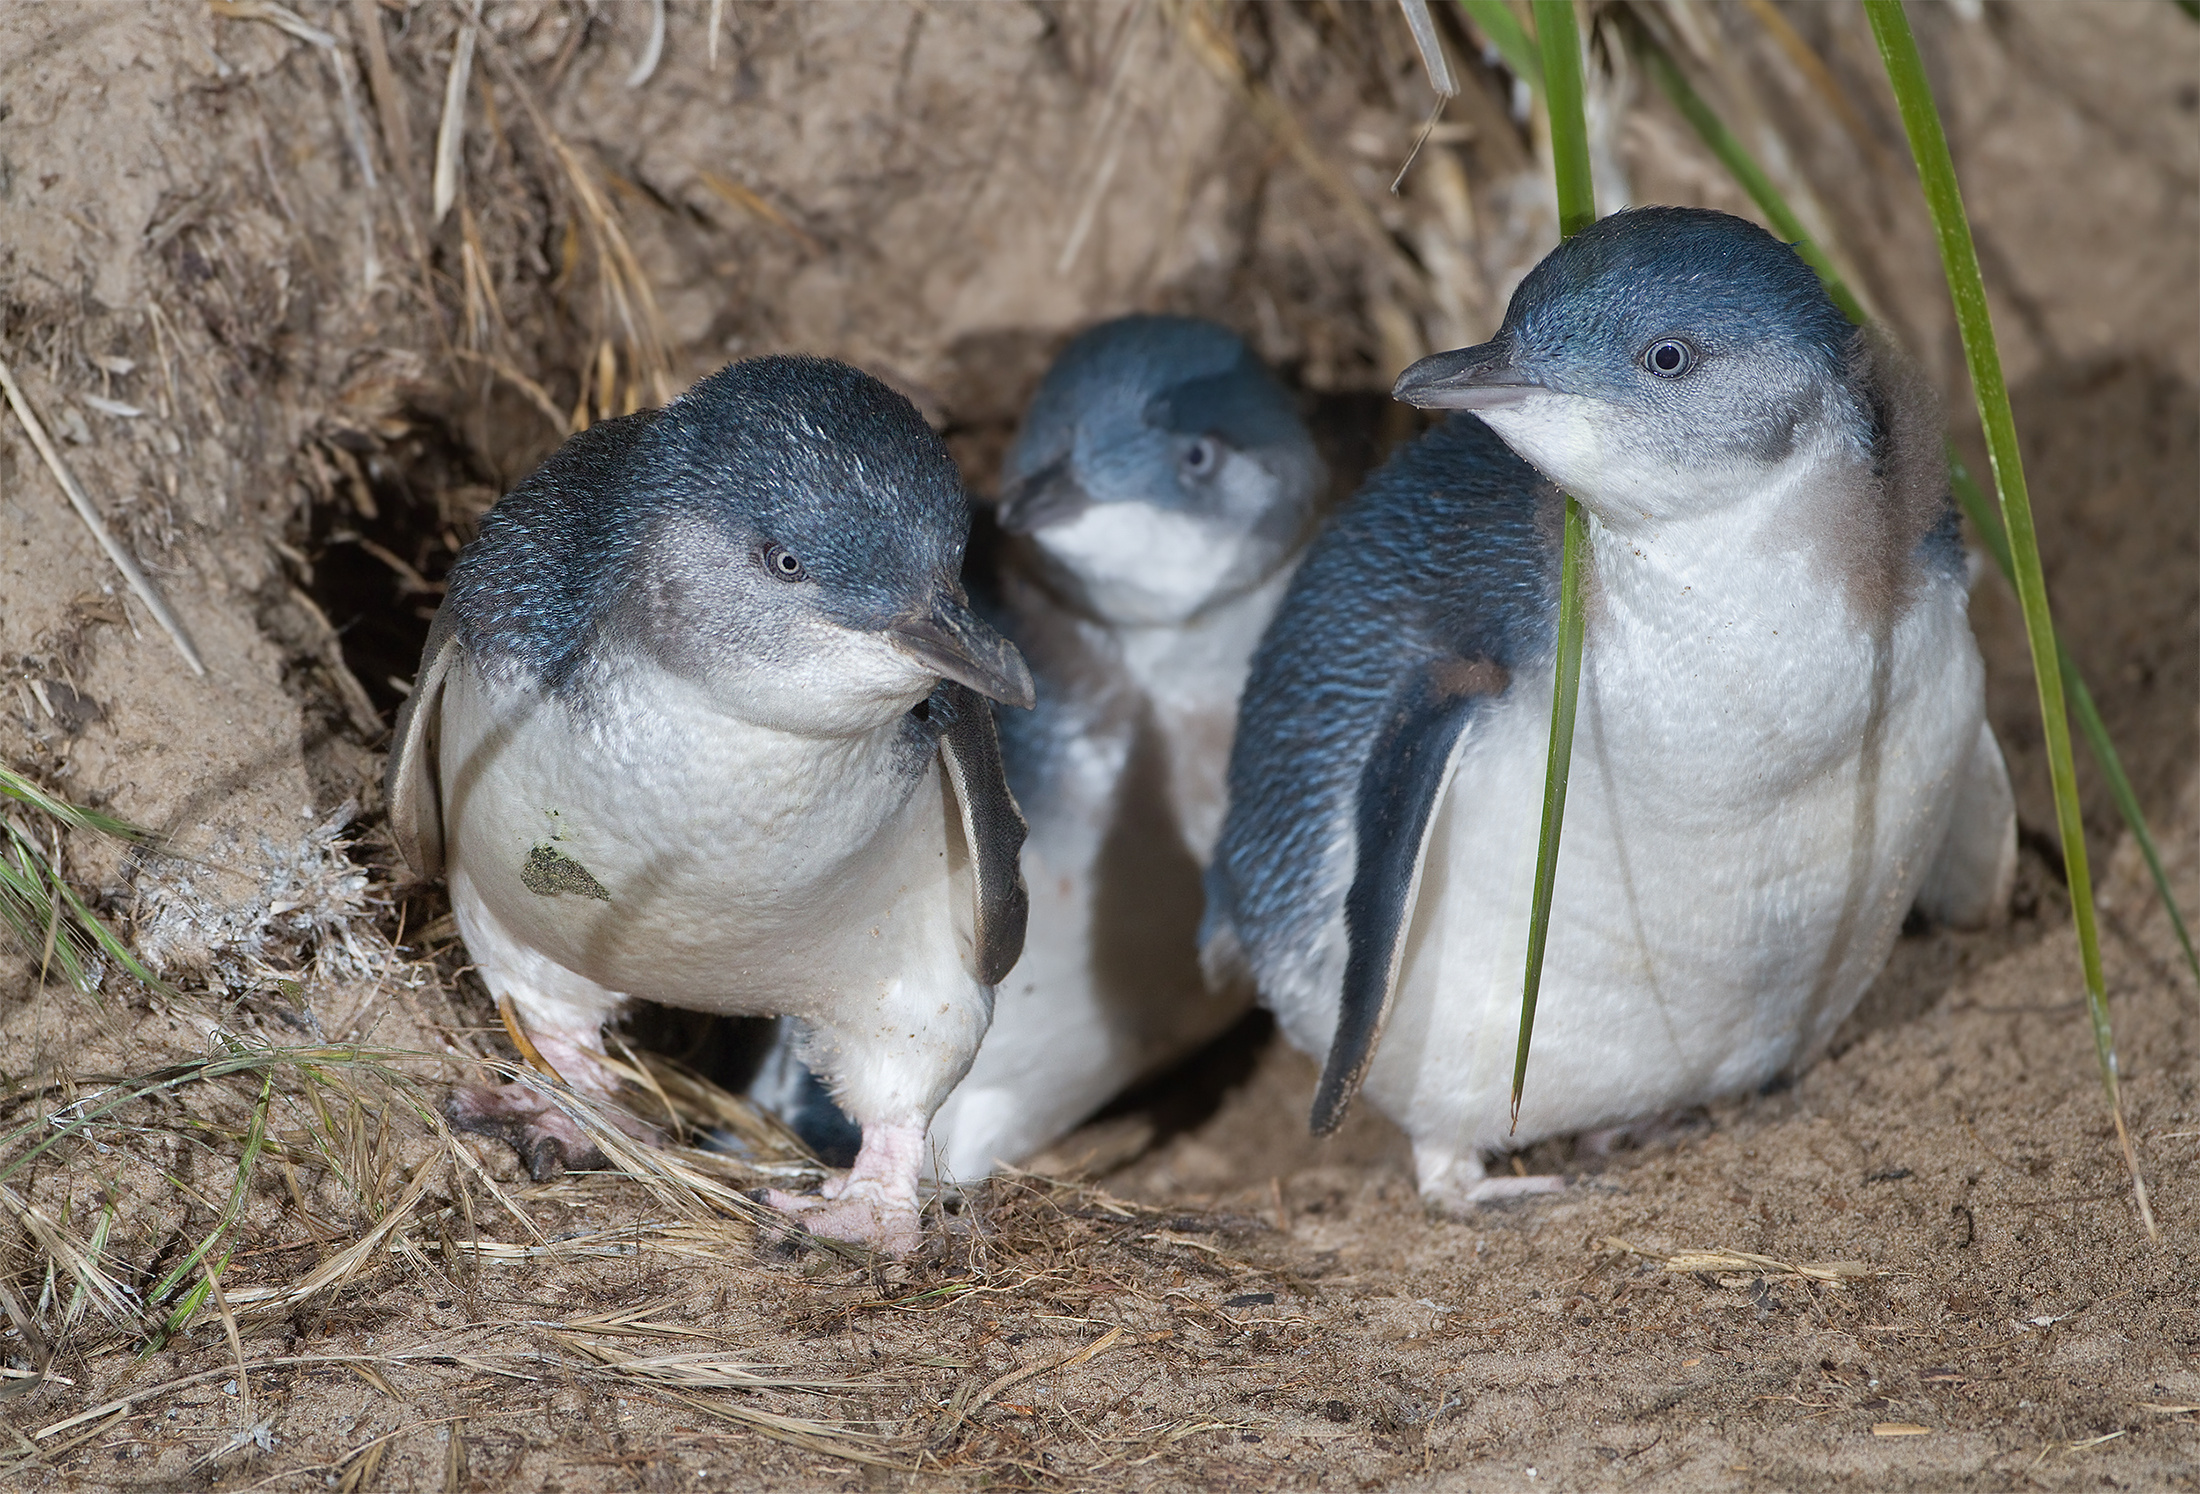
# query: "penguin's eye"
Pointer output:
{"type": "Point", "coordinates": [781, 562]}
{"type": "Point", "coordinates": [1669, 358]}
{"type": "Point", "coordinates": [1202, 457]}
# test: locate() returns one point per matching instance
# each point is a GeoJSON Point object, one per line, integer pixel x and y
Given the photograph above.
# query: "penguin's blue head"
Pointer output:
{"type": "Point", "coordinates": [1160, 468]}
{"type": "Point", "coordinates": [798, 538]}
{"type": "Point", "coordinates": [1661, 362]}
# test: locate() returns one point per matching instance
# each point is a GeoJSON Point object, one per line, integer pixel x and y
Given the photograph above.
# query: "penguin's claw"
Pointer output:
{"type": "Point", "coordinates": [545, 1137]}
{"type": "Point", "coordinates": [861, 1216]}
{"type": "Point", "coordinates": [548, 1140]}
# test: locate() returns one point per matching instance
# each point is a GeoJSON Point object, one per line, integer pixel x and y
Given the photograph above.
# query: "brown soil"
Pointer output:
{"type": "Point", "coordinates": [942, 194]}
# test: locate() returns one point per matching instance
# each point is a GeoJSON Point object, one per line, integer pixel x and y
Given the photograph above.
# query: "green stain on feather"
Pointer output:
{"type": "Point", "coordinates": [548, 871]}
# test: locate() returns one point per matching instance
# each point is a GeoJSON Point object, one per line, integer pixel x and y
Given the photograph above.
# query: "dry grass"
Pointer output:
{"type": "Point", "coordinates": [326, 1179]}
{"type": "Point", "coordinates": [88, 512]}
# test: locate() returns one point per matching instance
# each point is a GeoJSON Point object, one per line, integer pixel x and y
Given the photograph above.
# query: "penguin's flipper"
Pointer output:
{"type": "Point", "coordinates": [992, 825]}
{"type": "Point", "coordinates": [410, 784]}
{"type": "Point", "coordinates": [1400, 787]}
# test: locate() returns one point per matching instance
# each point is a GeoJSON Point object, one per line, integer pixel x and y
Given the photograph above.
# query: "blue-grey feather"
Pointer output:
{"type": "Point", "coordinates": [1116, 400]}
{"type": "Point", "coordinates": [1449, 550]}
{"type": "Point", "coordinates": [1639, 273]}
{"type": "Point", "coordinates": [524, 591]}
{"type": "Point", "coordinates": [801, 452]}
{"type": "Point", "coordinates": [1243, 404]}
{"type": "Point", "coordinates": [1941, 552]}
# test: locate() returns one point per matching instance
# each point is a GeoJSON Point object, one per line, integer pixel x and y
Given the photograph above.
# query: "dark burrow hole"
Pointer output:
{"type": "Point", "coordinates": [380, 542]}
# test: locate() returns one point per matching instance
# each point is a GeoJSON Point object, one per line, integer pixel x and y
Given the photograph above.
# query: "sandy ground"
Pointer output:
{"type": "Point", "coordinates": [1934, 1274]}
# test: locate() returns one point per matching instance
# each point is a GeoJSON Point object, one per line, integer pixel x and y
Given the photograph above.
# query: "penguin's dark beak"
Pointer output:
{"type": "Point", "coordinates": [1483, 377]}
{"type": "Point", "coordinates": [1051, 495]}
{"type": "Point", "coordinates": [951, 641]}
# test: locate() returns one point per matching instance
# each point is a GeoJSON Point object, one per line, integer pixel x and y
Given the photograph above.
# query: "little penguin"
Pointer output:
{"type": "Point", "coordinates": [1781, 745]}
{"type": "Point", "coordinates": [699, 722]}
{"type": "Point", "coordinates": [1157, 495]}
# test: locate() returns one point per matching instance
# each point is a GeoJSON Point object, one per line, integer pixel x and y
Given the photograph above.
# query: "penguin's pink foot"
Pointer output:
{"type": "Point", "coordinates": [1455, 1180]}
{"type": "Point", "coordinates": [875, 1202]}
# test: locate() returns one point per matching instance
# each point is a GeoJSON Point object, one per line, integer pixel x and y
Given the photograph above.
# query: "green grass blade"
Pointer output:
{"type": "Point", "coordinates": [74, 1120]}
{"type": "Point", "coordinates": [254, 1139]}
{"type": "Point", "coordinates": [31, 906]}
{"type": "Point", "coordinates": [1561, 46]}
{"type": "Point", "coordinates": [1743, 167]}
{"type": "Point", "coordinates": [38, 906]}
{"type": "Point", "coordinates": [14, 786]}
{"type": "Point", "coordinates": [1959, 257]}
{"type": "Point", "coordinates": [88, 926]}
{"type": "Point", "coordinates": [94, 1250]}
{"type": "Point", "coordinates": [1565, 692]}
{"type": "Point", "coordinates": [2095, 732]}
{"type": "Point", "coordinates": [1987, 522]}
{"type": "Point", "coordinates": [1985, 519]}
{"type": "Point", "coordinates": [1502, 29]}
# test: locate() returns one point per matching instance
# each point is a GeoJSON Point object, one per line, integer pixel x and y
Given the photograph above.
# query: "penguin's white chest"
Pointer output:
{"type": "Point", "coordinates": [664, 849]}
{"type": "Point", "coordinates": [1758, 787]}
{"type": "Point", "coordinates": [1107, 989]}
{"type": "Point", "coordinates": [1191, 677]}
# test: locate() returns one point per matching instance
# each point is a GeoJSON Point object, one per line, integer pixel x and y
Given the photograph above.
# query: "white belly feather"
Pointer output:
{"type": "Point", "coordinates": [664, 850]}
{"type": "Point", "coordinates": [1756, 795]}
{"type": "Point", "coordinates": [1075, 1023]}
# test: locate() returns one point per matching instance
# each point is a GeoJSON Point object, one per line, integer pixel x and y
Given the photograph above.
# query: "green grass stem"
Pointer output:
{"type": "Point", "coordinates": [75, 1121]}
{"type": "Point", "coordinates": [1745, 170]}
{"type": "Point", "coordinates": [246, 1162]}
{"type": "Point", "coordinates": [1565, 693]}
{"type": "Point", "coordinates": [1561, 48]}
{"type": "Point", "coordinates": [94, 1250]}
{"type": "Point", "coordinates": [1987, 521]}
{"type": "Point", "coordinates": [74, 816]}
{"type": "Point", "coordinates": [1985, 518]}
{"type": "Point", "coordinates": [1502, 29]}
{"type": "Point", "coordinates": [1959, 258]}
{"type": "Point", "coordinates": [37, 904]}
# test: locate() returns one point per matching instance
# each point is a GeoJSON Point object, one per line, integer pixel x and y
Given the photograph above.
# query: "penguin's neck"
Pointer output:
{"type": "Point", "coordinates": [1785, 561]}
{"type": "Point", "coordinates": [1213, 648]}
{"type": "Point", "coordinates": [1726, 653]}
{"type": "Point", "coordinates": [1191, 676]}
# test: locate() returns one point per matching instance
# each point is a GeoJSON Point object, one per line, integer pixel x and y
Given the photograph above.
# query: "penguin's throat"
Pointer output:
{"type": "Point", "coordinates": [1640, 475]}
{"type": "Point", "coordinates": [855, 690]}
{"type": "Point", "coordinates": [1773, 567]}
{"type": "Point", "coordinates": [1134, 564]}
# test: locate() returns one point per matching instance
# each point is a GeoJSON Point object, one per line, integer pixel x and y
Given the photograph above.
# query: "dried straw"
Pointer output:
{"type": "Point", "coordinates": [450, 133]}
{"type": "Point", "coordinates": [1742, 1262]}
{"type": "Point", "coordinates": [82, 503]}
